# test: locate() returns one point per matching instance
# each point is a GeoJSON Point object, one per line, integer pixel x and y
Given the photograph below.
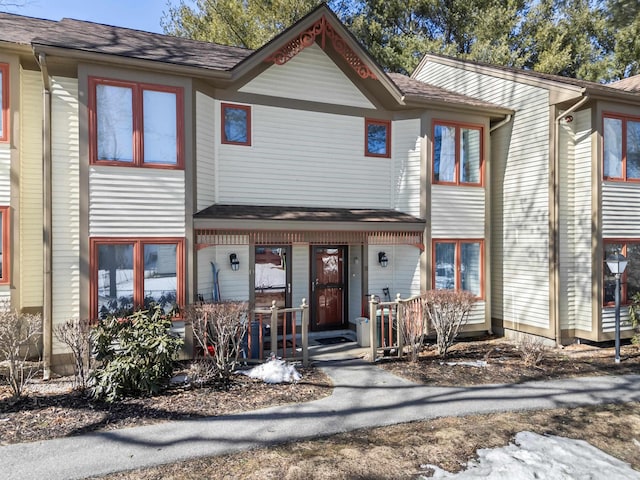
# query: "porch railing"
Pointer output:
{"type": "Point", "coordinates": [280, 330]}
{"type": "Point", "coordinates": [394, 324]}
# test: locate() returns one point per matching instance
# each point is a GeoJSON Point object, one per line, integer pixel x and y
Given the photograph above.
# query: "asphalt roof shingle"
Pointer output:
{"type": "Point", "coordinates": [20, 29]}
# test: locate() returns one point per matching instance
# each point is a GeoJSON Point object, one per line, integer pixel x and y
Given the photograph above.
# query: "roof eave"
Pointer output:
{"type": "Point", "coordinates": [307, 225]}
{"type": "Point", "coordinates": [492, 110]}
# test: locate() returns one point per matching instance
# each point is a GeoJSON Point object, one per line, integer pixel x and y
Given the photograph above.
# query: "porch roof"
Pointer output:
{"type": "Point", "coordinates": [258, 224]}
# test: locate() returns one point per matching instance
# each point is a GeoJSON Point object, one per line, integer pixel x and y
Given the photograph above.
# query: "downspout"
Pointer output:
{"type": "Point", "coordinates": [506, 120]}
{"type": "Point", "coordinates": [47, 320]}
{"type": "Point", "coordinates": [555, 261]}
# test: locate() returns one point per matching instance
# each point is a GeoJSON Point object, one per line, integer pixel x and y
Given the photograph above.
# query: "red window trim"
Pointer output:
{"type": "Point", "coordinates": [6, 245]}
{"type": "Point", "coordinates": [138, 267]}
{"type": "Point", "coordinates": [624, 119]}
{"type": "Point", "coordinates": [458, 126]}
{"type": "Point", "coordinates": [137, 107]}
{"type": "Point", "coordinates": [458, 242]}
{"type": "Point", "coordinates": [385, 123]}
{"type": "Point", "coordinates": [4, 93]}
{"type": "Point", "coordinates": [623, 277]}
{"type": "Point", "coordinates": [246, 108]}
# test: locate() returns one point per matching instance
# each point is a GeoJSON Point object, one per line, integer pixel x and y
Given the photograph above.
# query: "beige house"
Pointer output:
{"type": "Point", "coordinates": [171, 170]}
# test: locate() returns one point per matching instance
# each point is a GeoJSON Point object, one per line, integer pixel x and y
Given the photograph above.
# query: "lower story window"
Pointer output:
{"type": "Point", "coordinates": [458, 265]}
{"type": "Point", "coordinates": [132, 273]}
{"type": "Point", "coordinates": [630, 281]}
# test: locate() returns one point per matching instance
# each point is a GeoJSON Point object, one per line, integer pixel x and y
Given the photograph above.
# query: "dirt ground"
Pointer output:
{"type": "Point", "coordinates": [395, 452]}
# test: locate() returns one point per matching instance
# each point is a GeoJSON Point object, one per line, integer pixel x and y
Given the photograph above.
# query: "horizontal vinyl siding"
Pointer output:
{"type": "Point", "coordinates": [5, 174]}
{"type": "Point", "coordinates": [31, 217]}
{"type": "Point", "coordinates": [405, 144]}
{"type": "Point", "coordinates": [477, 315]}
{"type": "Point", "coordinates": [127, 201]}
{"type": "Point", "coordinates": [311, 75]}
{"type": "Point", "coordinates": [520, 193]}
{"type": "Point", "coordinates": [402, 275]}
{"type": "Point", "coordinates": [580, 228]}
{"type": "Point", "coordinates": [205, 150]}
{"type": "Point", "coordinates": [233, 285]}
{"type": "Point", "coordinates": [609, 320]}
{"type": "Point", "coordinates": [304, 158]}
{"type": "Point", "coordinates": [618, 220]}
{"type": "Point", "coordinates": [66, 203]}
{"type": "Point", "coordinates": [457, 212]}
{"type": "Point", "coordinates": [566, 202]}
{"type": "Point", "coordinates": [300, 275]}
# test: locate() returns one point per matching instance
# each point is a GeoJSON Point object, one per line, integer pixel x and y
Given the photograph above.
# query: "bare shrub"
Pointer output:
{"type": "Point", "coordinates": [218, 330]}
{"type": "Point", "coordinates": [414, 325]}
{"type": "Point", "coordinates": [448, 311]}
{"type": "Point", "coordinates": [18, 332]}
{"type": "Point", "coordinates": [76, 334]}
{"type": "Point", "coordinates": [532, 350]}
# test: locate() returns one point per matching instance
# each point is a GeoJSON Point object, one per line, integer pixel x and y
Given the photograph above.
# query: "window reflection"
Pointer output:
{"type": "Point", "coordinates": [236, 124]}
{"type": "Point", "coordinates": [160, 127]}
{"type": "Point", "coordinates": [114, 107]}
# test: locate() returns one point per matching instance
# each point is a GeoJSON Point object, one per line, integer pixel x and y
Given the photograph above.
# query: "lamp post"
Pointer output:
{"type": "Point", "coordinates": [617, 264]}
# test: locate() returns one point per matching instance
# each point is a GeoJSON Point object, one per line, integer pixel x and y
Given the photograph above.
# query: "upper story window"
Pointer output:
{"type": "Point", "coordinates": [135, 124]}
{"type": "Point", "coordinates": [457, 154]}
{"type": "Point", "coordinates": [621, 148]}
{"type": "Point", "coordinates": [630, 281]}
{"type": "Point", "coordinates": [236, 124]}
{"type": "Point", "coordinates": [458, 265]}
{"type": "Point", "coordinates": [377, 138]}
{"type": "Point", "coordinates": [4, 102]}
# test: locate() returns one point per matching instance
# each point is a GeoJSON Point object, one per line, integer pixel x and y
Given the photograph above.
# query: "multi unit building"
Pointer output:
{"type": "Point", "coordinates": [136, 166]}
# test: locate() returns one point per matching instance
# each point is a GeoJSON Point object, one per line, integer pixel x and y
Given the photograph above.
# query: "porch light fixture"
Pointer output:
{"type": "Point", "coordinates": [383, 260]}
{"type": "Point", "coordinates": [235, 263]}
{"type": "Point", "coordinates": [617, 263]}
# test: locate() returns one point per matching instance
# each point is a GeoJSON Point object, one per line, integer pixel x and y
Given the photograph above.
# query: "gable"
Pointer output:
{"type": "Point", "coordinates": [311, 75]}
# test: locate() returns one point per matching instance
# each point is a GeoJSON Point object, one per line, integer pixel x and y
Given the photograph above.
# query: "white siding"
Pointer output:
{"type": "Point", "coordinates": [618, 220]}
{"type": "Point", "coordinates": [457, 212]}
{"type": "Point", "coordinates": [311, 75]}
{"type": "Point", "coordinates": [233, 285]}
{"type": "Point", "coordinates": [300, 275]}
{"type": "Point", "coordinates": [405, 145]}
{"type": "Point", "coordinates": [609, 320]}
{"type": "Point", "coordinates": [205, 150]}
{"type": "Point", "coordinates": [402, 275]}
{"type": "Point", "coordinates": [31, 218]}
{"type": "Point", "coordinates": [520, 193]}
{"type": "Point", "coordinates": [127, 201]}
{"type": "Point", "coordinates": [5, 174]}
{"type": "Point", "coordinates": [304, 158]}
{"type": "Point", "coordinates": [477, 315]}
{"type": "Point", "coordinates": [66, 203]}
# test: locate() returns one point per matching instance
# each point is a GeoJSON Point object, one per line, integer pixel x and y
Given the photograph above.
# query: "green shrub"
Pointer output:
{"type": "Point", "coordinates": [136, 354]}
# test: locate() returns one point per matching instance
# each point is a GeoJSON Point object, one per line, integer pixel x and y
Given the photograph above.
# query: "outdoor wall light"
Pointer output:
{"type": "Point", "coordinates": [617, 263]}
{"type": "Point", "coordinates": [235, 263]}
{"type": "Point", "coordinates": [383, 260]}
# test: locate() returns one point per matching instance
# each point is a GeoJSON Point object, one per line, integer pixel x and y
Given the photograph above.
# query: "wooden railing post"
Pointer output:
{"type": "Point", "coordinates": [373, 328]}
{"type": "Point", "coordinates": [305, 332]}
{"type": "Point", "coordinates": [400, 326]}
{"type": "Point", "coordinates": [274, 328]}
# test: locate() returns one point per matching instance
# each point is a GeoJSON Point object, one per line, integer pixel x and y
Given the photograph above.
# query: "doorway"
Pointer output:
{"type": "Point", "coordinates": [328, 287]}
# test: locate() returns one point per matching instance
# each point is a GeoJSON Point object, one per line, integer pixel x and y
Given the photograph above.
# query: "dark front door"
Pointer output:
{"type": "Point", "coordinates": [328, 288]}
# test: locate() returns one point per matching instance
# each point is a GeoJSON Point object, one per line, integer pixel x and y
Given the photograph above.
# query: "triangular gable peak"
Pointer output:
{"type": "Point", "coordinates": [321, 32]}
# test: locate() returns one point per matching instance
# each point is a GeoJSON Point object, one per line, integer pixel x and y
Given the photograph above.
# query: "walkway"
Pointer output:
{"type": "Point", "coordinates": [364, 396]}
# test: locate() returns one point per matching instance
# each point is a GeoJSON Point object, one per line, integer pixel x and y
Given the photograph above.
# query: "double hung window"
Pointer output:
{"type": "Point", "coordinates": [457, 154]}
{"type": "Point", "coordinates": [136, 124]}
{"type": "Point", "coordinates": [132, 273]}
{"type": "Point", "coordinates": [621, 148]}
{"type": "Point", "coordinates": [458, 265]}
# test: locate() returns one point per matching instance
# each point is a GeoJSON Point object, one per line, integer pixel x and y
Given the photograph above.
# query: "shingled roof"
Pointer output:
{"type": "Point", "coordinates": [20, 29]}
{"type": "Point", "coordinates": [631, 84]}
{"type": "Point", "coordinates": [126, 42]}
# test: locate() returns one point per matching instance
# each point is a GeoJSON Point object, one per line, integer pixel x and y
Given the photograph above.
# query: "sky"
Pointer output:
{"type": "Point", "coordinates": [138, 14]}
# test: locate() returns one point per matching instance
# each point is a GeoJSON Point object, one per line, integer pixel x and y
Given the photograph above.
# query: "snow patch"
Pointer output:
{"type": "Point", "coordinates": [534, 456]}
{"type": "Point", "coordinates": [477, 363]}
{"type": "Point", "coordinates": [274, 371]}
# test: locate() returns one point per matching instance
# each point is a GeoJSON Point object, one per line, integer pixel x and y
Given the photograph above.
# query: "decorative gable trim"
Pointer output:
{"type": "Point", "coordinates": [322, 29]}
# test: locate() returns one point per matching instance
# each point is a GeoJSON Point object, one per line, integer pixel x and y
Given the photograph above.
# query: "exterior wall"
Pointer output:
{"type": "Point", "coordinates": [406, 146]}
{"type": "Point", "coordinates": [205, 151]}
{"type": "Point", "coordinates": [311, 75]}
{"type": "Point", "coordinates": [402, 275]}
{"type": "Point", "coordinates": [303, 158]}
{"type": "Point", "coordinates": [576, 222]}
{"type": "Point", "coordinates": [233, 285]}
{"type": "Point", "coordinates": [31, 216]}
{"type": "Point", "coordinates": [66, 202]}
{"type": "Point", "coordinates": [8, 154]}
{"type": "Point", "coordinates": [618, 220]}
{"type": "Point", "coordinates": [126, 201]}
{"type": "Point", "coordinates": [519, 183]}
{"type": "Point", "coordinates": [457, 212]}
{"type": "Point", "coordinates": [300, 265]}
